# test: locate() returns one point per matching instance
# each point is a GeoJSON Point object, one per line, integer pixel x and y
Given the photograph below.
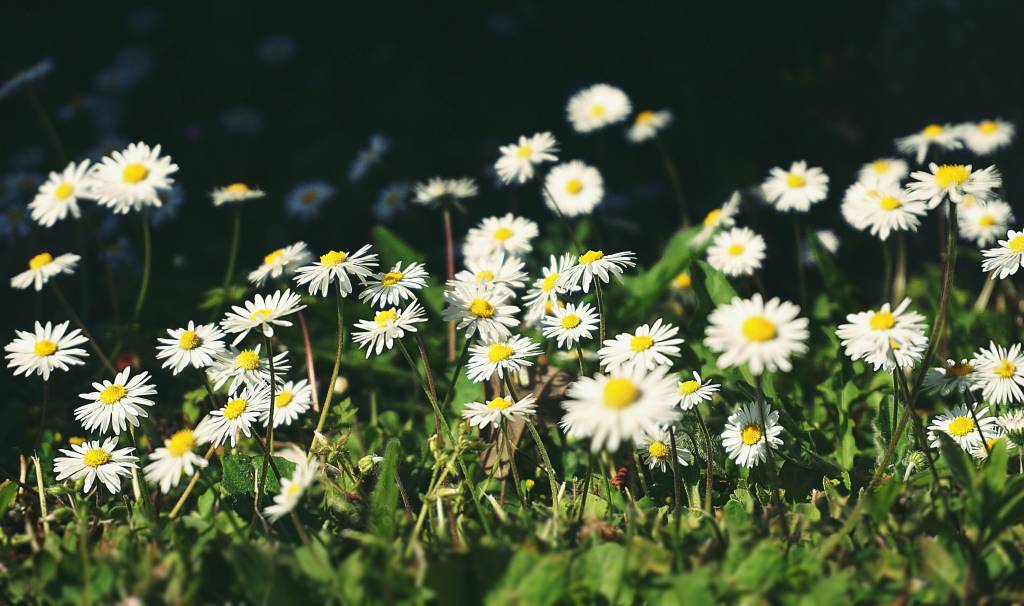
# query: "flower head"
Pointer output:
{"type": "Point", "coordinates": [291, 399]}
{"type": "Point", "coordinates": [571, 324]}
{"type": "Point", "coordinates": [988, 136]}
{"type": "Point", "coordinates": [953, 181]}
{"type": "Point", "coordinates": [500, 357]}
{"type": "Point", "coordinates": [984, 223]}
{"type": "Point", "coordinates": [656, 450]}
{"type": "Point", "coordinates": [235, 193]}
{"type": "Point", "coordinates": [114, 405]}
{"type": "Point", "coordinates": [279, 262]}
{"type": "Point", "coordinates": [195, 346]}
{"type": "Point", "coordinates": [131, 179]}
{"type": "Point", "coordinates": [750, 432]}
{"type": "Point", "coordinates": [387, 326]}
{"type": "Point", "coordinates": [42, 267]}
{"type": "Point", "coordinates": [737, 252]}
{"type": "Point", "coordinates": [481, 308]}
{"type": "Point", "coordinates": [958, 423]}
{"type": "Point", "coordinates": [262, 312]}
{"type": "Point", "coordinates": [692, 392]}
{"type": "Point", "coordinates": [762, 335]}
{"type": "Point", "coordinates": [548, 287]}
{"type": "Point", "coordinates": [596, 107]}
{"type": "Point", "coordinates": [46, 348]}
{"type": "Point", "coordinates": [888, 338]}
{"type": "Point", "coordinates": [573, 189]}
{"type": "Point", "coordinates": [719, 218]}
{"type": "Point", "coordinates": [498, 409]}
{"type": "Point", "coordinates": [797, 188]}
{"type": "Point", "coordinates": [649, 346]}
{"type": "Point", "coordinates": [59, 195]}
{"type": "Point", "coordinates": [175, 458]}
{"type": "Point", "coordinates": [999, 373]}
{"type": "Point", "coordinates": [246, 367]}
{"type": "Point", "coordinates": [305, 200]}
{"type": "Point", "coordinates": [647, 124]}
{"type": "Point", "coordinates": [518, 160]}
{"type": "Point", "coordinates": [241, 411]}
{"type": "Point", "coordinates": [595, 265]}
{"type": "Point", "coordinates": [337, 266]}
{"type": "Point", "coordinates": [508, 235]}
{"type": "Point", "coordinates": [438, 190]}
{"type": "Point", "coordinates": [943, 136]}
{"type": "Point", "coordinates": [96, 460]}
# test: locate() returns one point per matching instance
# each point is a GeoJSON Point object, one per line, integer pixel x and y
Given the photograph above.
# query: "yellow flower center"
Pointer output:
{"type": "Point", "coordinates": [751, 434]}
{"type": "Point", "coordinates": [40, 260]}
{"type": "Point", "coordinates": [235, 408]}
{"type": "Point", "coordinates": [986, 220]}
{"type": "Point", "coordinates": [524, 152]}
{"type": "Point", "coordinates": [391, 278]}
{"type": "Point", "coordinates": [134, 172]}
{"type": "Point", "coordinates": [383, 317]}
{"type": "Point", "coordinates": [1006, 369]}
{"type": "Point", "coordinates": [1016, 244]}
{"type": "Point", "coordinates": [260, 315]}
{"type": "Point", "coordinates": [657, 450]}
{"type": "Point", "coordinates": [248, 359]}
{"type": "Point", "coordinates": [293, 489]}
{"type": "Point", "coordinates": [682, 280]}
{"type": "Point", "coordinates": [237, 188]}
{"type": "Point", "coordinates": [283, 399]}
{"type": "Point", "coordinates": [597, 110]}
{"type": "Point", "coordinates": [45, 347]}
{"type": "Point", "coordinates": [712, 218]}
{"type": "Point", "coordinates": [620, 393]}
{"type": "Point", "coordinates": [932, 130]}
{"type": "Point", "coordinates": [188, 340]}
{"type": "Point", "coordinates": [591, 255]}
{"type": "Point", "coordinates": [499, 352]}
{"type": "Point", "coordinates": [502, 233]}
{"type": "Point", "coordinates": [961, 426]}
{"type": "Point", "coordinates": [880, 166]}
{"type": "Point", "coordinates": [485, 275]}
{"type": "Point", "coordinates": [63, 191]}
{"type": "Point", "coordinates": [181, 442]}
{"type": "Point", "coordinates": [332, 258]}
{"type": "Point", "coordinates": [573, 186]}
{"type": "Point", "coordinates": [640, 343]}
{"type": "Point", "coordinates": [988, 127]}
{"type": "Point", "coordinates": [688, 387]}
{"type": "Point", "coordinates": [882, 320]}
{"type": "Point", "coordinates": [735, 250]}
{"type": "Point", "coordinates": [272, 257]}
{"type": "Point", "coordinates": [795, 180]}
{"type": "Point", "coordinates": [112, 394]}
{"type": "Point", "coordinates": [96, 457]}
{"type": "Point", "coordinates": [960, 369]}
{"type": "Point", "coordinates": [571, 321]}
{"type": "Point", "coordinates": [498, 404]}
{"type": "Point", "coordinates": [549, 282]}
{"type": "Point", "coordinates": [758, 328]}
{"type": "Point", "coordinates": [951, 174]}
{"type": "Point", "coordinates": [889, 203]}
{"type": "Point", "coordinates": [645, 117]}
{"type": "Point", "coordinates": [481, 308]}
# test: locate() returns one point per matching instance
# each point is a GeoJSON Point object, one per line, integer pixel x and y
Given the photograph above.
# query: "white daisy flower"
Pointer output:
{"type": "Point", "coordinates": [1004, 260]}
{"type": "Point", "coordinates": [114, 405]}
{"type": "Point", "coordinates": [759, 334]}
{"type": "Point", "coordinates": [96, 460]}
{"type": "Point", "coordinates": [483, 309]}
{"type": "Point", "coordinates": [651, 345]}
{"type": "Point", "coordinates": [596, 107]}
{"type": "Point", "coordinates": [692, 392]}
{"type": "Point", "coordinates": [194, 345]}
{"type": "Point", "coordinates": [858, 200]}
{"type": "Point", "coordinates": [263, 312]}
{"type": "Point", "coordinates": [958, 423]}
{"type": "Point", "coordinates": [290, 400]}
{"type": "Point", "coordinates": [1012, 423]}
{"type": "Point", "coordinates": [387, 326]}
{"type": "Point", "coordinates": [953, 181]}
{"type": "Point", "coordinates": [235, 193]}
{"type": "Point", "coordinates": [883, 172]}
{"type": "Point", "coordinates": [517, 160]}
{"type": "Point", "coordinates": [394, 286]}
{"type": "Point", "coordinates": [132, 179]}
{"type": "Point", "coordinates": [500, 356]}
{"type": "Point", "coordinates": [952, 378]}
{"type": "Point", "coordinates": [172, 460]}
{"type": "Point", "coordinates": [493, 412]}
{"type": "Point", "coordinates": [894, 211]}
{"type": "Point", "coordinates": [737, 252]}
{"type": "Point", "coordinates": [984, 223]}
{"type": "Point", "coordinates": [750, 432]}
{"type": "Point", "coordinates": [594, 264]}
{"type": "Point", "coordinates": [438, 189]}
{"type": "Point", "coordinates": [795, 189]}
{"type": "Point", "coordinates": [571, 324]}
{"type": "Point", "coordinates": [509, 235]}
{"type": "Point", "coordinates": [280, 262]}
{"type": "Point", "coordinates": [42, 267]}
{"type": "Point", "coordinates": [238, 415]}
{"type": "Point", "coordinates": [573, 189]}
{"type": "Point", "coordinates": [987, 136]}
{"type": "Point", "coordinates": [546, 289]}
{"type": "Point", "coordinates": [46, 348]}
{"type": "Point", "coordinates": [501, 272]}
{"type": "Point", "coordinates": [647, 124]}
{"type": "Point", "coordinates": [337, 266]}
{"type": "Point", "coordinates": [246, 367]}
{"type": "Point", "coordinates": [60, 195]}
{"type": "Point", "coordinates": [888, 338]}
{"type": "Point", "coordinates": [998, 435]}
{"type": "Point", "coordinates": [656, 451]}
{"type": "Point", "coordinates": [999, 373]}
{"type": "Point", "coordinates": [719, 218]}
{"type": "Point", "coordinates": [292, 490]}
{"type": "Point", "coordinates": [941, 135]}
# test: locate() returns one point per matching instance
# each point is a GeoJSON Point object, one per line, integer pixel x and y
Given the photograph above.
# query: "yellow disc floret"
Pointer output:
{"type": "Point", "coordinates": [283, 399]}
{"type": "Point", "coordinates": [794, 180]}
{"type": "Point", "coordinates": [235, 408]}
{"type": "Point", "coordinates": [502, 233]}
{"type": "Point", "coordinates": [641, 343]}
{"type": "Point", "coordinates": [498, 352]}
{"type": "Point", "coordinates": [189, 340]}
{"type": "Point", "coordinates": [620, 393]}
{"type": "Point", "coordinates": [882, 320]}
{"type": "Point", "coordinates": [96, 457]}
{"type": "Point", "coordinates": [591, 255]}
{"type": "Point", "coordinates": [750, 434]}
{"type": "Point", "coordinates": [1006, 369]}
{"type": "Point", "coordinates": [498, 404]}
{"type": "Point", "coordinates": [180, 443]}
{"type": "Point", "coordinates": [951, 174]}
{"type": "Point", "coordinates": [688, 387]}
{"type": "Point", "coordinates": [39, 261]}
{"type": "Point", "coordinates": [481, 308]}
{"type": "Point", "coordinates": [332, 258]}
{"type": "Point", "coordinates": [758, 328]}
{"type": "Point", "coordinates": [383, 317]}
{"type": "Point", "coordinates": [573, 186]}
{"type": "Point", "coordinates": [248, 359]}
{"type": "Point", "coordinates": [45, 347]}
{"type": "Point", "coordinates": [134, 172]}
{"type": "Point", "coordinates": [571, 321]}
{"type": "Point", "coordinates": [961, 426]}
{"type": "Point", "coordinates": [658, 450]}
{"type": "Point", "coordinates": [63, 191]}
{"type": "Point", "coordinates": [112, 394]}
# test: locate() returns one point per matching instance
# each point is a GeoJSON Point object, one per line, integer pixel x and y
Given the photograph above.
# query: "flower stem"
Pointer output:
{"type": "Point", "coordinates": [449, 266]}
{"type": "Point", "coordinates": [439, 420]}
{"type": "Point", "coordinates": [707, 457]}
{"type": "Point", "coordinates": [899, 279]}
{"type": "Point", "coordinates": [147, 263]}
{"type": "Point", "coordinates": [986, 293]}
{"type": "Point", "coordinates": [310, 366]}
{"type": "Point", "coordinates": [564, 221]}
{"type": "Point", "coordinates": [600, 311]}
{"type": "Point", "coordinates": [676, 482]}
{"type": "Point", "coordinates": [673, 177]}
{"type": "Point", "coordinates": [586, 485]}
{"type": "Point", "coordinates": [191, 484]}
{"type": "Point", "coordinates": [579, 358]}
{"type": "Point", "coordinates": [42, 415]}
{"type": "Point", "coordinates": [504, 437]}
{"type": "Point", "coordinates": [334, 375]}
{"type": "Point", "coordinates": [43, 513]}
{"type": "Point", "coordinates": [270, 423]}
{"type": "Point", "coordinates": [81, 325]}
{"type": "Point", "coordinates": [545, 459]}
{"type": "Point", "coordinates": [977, 424]}
{"type": "Point", "coordinates": [229, 273]}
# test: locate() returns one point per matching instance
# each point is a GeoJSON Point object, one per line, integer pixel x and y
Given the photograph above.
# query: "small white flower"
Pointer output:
{"type": "Point", "coordinates": [290, 400]}
{"type": "Point", "coordinates": [656, 450]}
{"type": "Point", "coordinates": [337, 266]}
{"type": "Point", "coordinates": [991, 439]}
{"type": "Point", "coordinates": [571, 324]}
{"type": "Point", "coordinates": [891, 210]}
{"type": "Point", "coordinates": [42, 267]}
{"type": "Point", "coordinates": [480, 308]}
{"type": "Point", "coordinates": [46, 348]}
{"type": "Point", "coordinates": [546, 289]}
{"type": "Point", "coordinates": [517, 160]}
{"type": "Point", "coordinates": [394, 286]}
{"type": "Point", "coordinates": [883, 172]}
{"type": "Point", "coordinates": [987, 136]}
{"type": "Point", "coordinates": [1004, 260]}
{"type": "Point", "coordinates": [795, 189]}
{"type": "Point", "coordinates": [280, 262]}
{"type": "Point", "coordinates": [60, 194]}
{"type": "Point", "coordinates": [888, 338]}
{"type": "Point", "coordinates": [692, 392]}
{"type": "Point", "coordinates": [952, 378]}
{"type": "Point", "coordinates": [96, 460]}
{"type": "Point", "coordinates": [114, 405]}
{"type": "Point", "coordinates": [999, 373]}
{"type": "Point", "coordinates": [1012, 424]}
{"type": "Point", "coordinates": [984, 223]}
{"type": "Point", "coordinates": [958, 423]}
{"type": "Point", "coordinates": [246, 367]}
{"type": "Point", "coordinates": [719, 218]}
{"type": "Point", "coordinates": [292, 490]}
{"type": "Point", "coordinates": [132, 179]}
{"type": "Point", "coordinates": [194, 346]}
{"type": "Point", "coordinates": [647, 124]}
{"type": "Point", "coordinates": [238, 415]}
{"type": "Point", "coordinates": [174, 459]}
{"type": "Point", "coordinates": [500, 356]}
{"type": "Point", "coordinates": [941, 135]}
{"type": "Point", "coordinates": [954, 181]}
{"type": "Point", "coordinates": [438, 189]}
{"type": "Point", "coordinates": [651, 345]}
{"type": "Point", "coordinates": [737, 252]}
{"type": "Point", "coordinates": [594, 264]}
{"type": "Point", "coordinates": [573, 189]}
{"type": "Point", "coordinates": [762, 335]}
{"type": "Point", "coordinates": [235, 193]}
{"type": "Point", "coordinates": [493, 412]}
{"type": "Point", "coordinates": [596, 107]}
{"type": "Point", "coordinates": [263, 312]}
{"type": "Point", "coordinates": [507, 235]}
{"type": "Point", "coordinates": [387, 326]}
{"type": "Point", "coordinates": [750, 432]}
{"type": "Point", "coordinates": [503, 273]}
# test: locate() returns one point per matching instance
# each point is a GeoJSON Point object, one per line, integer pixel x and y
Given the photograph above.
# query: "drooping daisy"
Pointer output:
{"type": "Point", "coordinates": [941, 135]}
{"type": "Point", "coordinates": [438, 190]}
{"type": "Point", "coordinates": [132, 179]}
{"type": "Point", "coordinates": [958, 423]}
{"type": "Point", "coordinates": [394, 286]}
{"type": "Point", "coordinates": [292, 490]}
{"type": "Point", "coordinates": [737, 252]}
{"type": "Point", "coordinates": [305, 200]}
{"type": "Point", "coordinates": [60, 194]}
{"type": "Point", "coordinates": [611, 409]}
{"type": "Point", "coordinates": [647, 124]}
{"type": "Point", "coordinates": [195, 345]}
{"type": "Point", "coordinates": [279, 262]}
{"type": "Point", "coordinates": [987, 136]}
{"type": "Point", "coordinates": [263, 312]}
{"type": "Point", "coordinates": [999, 373]}
{"type": "Point", "coordinates": [247, 367]}
{"type": "Point", "coordinates": [649, 346]}
{"type": "Point", "coordinates": [238, 415]}
{"type": "Point", "coordinates": [387, 325]}
{"type": "Point", "coordinates": [517, 160]}
{"type": "Point", "coordinates": [573, 189]}
{"type": "Point", "coordinates": [888, 338]}
{"type": "Point", "coordinates": [570, 324]}
{"type": "Point", "coordinates": [596, 107]}
{"type": "Point", "coordinates": [42, 267]}
{"type": "Point", "coordinates": [953, 181]}
{"type": "Point", "coordinates": [719, 218]}
{"type": "Point", "coordinates": [795, 189]}
{"type": "Point", "coordinates": [546, 289]}
{"type": "Point", "coordinates": [290, 400]}
{"type": "Point", "coordinates": [508, 235]}
{"type": "Point", "coordinates": [46, 348]}
{"type": "Point", "coordinates": [480, 308]}
{"type": "Point", "coordinates": [172, 460]}
{"type": "Point", "coordinates": [96, 460]}
{"type": "Point", "coordinates": [882, 172]}
{"type": "Point", "coordinates": [500, 356]}
{"type": "Point", "coordinates": [236, 193]}
{"type": "Point", "coordinates": [692, 392]}
{"type": "Point", "coordinates": [1004, 260]}
{"type": "Point", "coordinates": [656, 450]}
{"type": "Point", "coordinates": [501, 272]}
{"type": "Point", "coordinates": [952, 378]}
{"type": "Point", "coordinates": [894, 211]}
{"type": "Point", "coordinates": [114, 405]}
{"type": "Point", "coordinates": [984, 223]}
{"type": "Point", "coordinates": [594, 264]}
{"type": "Point", "coordinates": [762, 335]}
{"type": "Point", "coordinates": [750, 432]}
{"type": "Point", "coordinates": [337, 266]}
{"type": "Point", "coordinates": [493, 412]}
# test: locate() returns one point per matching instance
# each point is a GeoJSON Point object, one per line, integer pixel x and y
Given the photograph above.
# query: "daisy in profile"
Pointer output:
{"type": "Point", "coordinates": [1012, 424]}
{"type": "Point", "coordinates": [518, 160]}
{"type": "Point", "coordinates": [1006, 258]}
{"type": "Point", "coordinates": [651, 345]}
{"type": "Point", "coordinates": [494, 412]}
{"type": "Point", "coordinates": [194, 345]}
{"type": "Point", "coordinates": [546, 289]}
{"type": "Point", "coordinates": [953, 181]}
{"type": "Point", "coordinates": [280, 262]}
{"type": "Point", "coordinates": [437, 190]}
{"type": "Point", "coordinates": [507, 235]}
{"type": "Point", "coordinates": [573, 189]}
{"type": "Point", "coordinates": [858, 201]}
{"type": "Point", "coordinates": [894, 211]}
{"type": "Point", "coordinates": [958, 423]}
{"type": "Point", "coordinates": [481, 309]}
{"type": "Point", "coordinates": [647, 124]}
{"type": "Point", "coordinates": [46, 348]}
{"type": "Point", "coordinates": [132, 179]}
{"type": "Point", "coordinates": [42, 267]}
{"type": "Point", "coordinates": [594, 264]}
{"type": "Point", "coordinates": [337, 266]}
{"type": "Point", "coordinates": [114, 405]}
{"type": "Point", "coordinates": [59, 195]}
{"type": "Point", "coordinates": [612, 409]}
{"type": "Point", "coordinates": [387, 326]}
{"type": "Point", "coordinates": [762, 335]}
{"type": "Point", "coordinates": [393, 286]}
{"type": "Point", "coordinates": [96, 460]}
{"type": "Point", "coordinates": [246, 367]}
{"type": "Point", "coordinates": [238, 415]}
{"type": "Point", "coordinates": [263, 313]}
{"type": "Point", "coordinates": [951, 378]}
{"type": "Point", "coordinates": [795, 189]}
{"type": "Point", "coordinates": [571, 324]}
{"type": "Point", "coordinates": [750, 432]}
{"type": "Point", "coordinates": [883, 172]}
{"type": "Point", "coordinates": [692, 392]}
{"type": "Point", "coordinates": [305, 200]}
{"type": "Point", "coordinates": [999, 373]}
{"type": "Point", "coordinates": [596, 107]}
{"type": "Point", "coordinates": [503, 273]}
{"type": "Point", "coordinates": [985, 137]}
{"type": "Point", "coordinates": [656, 450]}
{"type": "Point", "coordinates": [984, 223]}
{"type": "Point", "coordinates": [737, 252]}
{"type": "Point", "coordinates": [236, 193]}
{"type": "Point", "coordinates": [501, 357]}
{"type": "Point", "coordinates": [175, 458]}
{"type": "Point", "coordinates": [290, 400]}
{"type": "Point", "coordinates": [292, 490]}
{"type": "Point", "coordinates": [719, 218]}
{"type": "Point", "coordinates": [943, 136]}
{"type": "Point", "coordinates": [888, 338]}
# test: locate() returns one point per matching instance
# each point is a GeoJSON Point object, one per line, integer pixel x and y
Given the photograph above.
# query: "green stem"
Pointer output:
{"type": "Point", "coordinates": [229, 274]}
{"type": "Point", "coordinates": [191, 484]}
{"type": "Point", "coordinates": [147, 262]}
{"type": "Point", "coordinates": [270, 422]}
{"type": "Point", "coordinates": [586, 485]}
{"type": "Point", "coordinates": [455, 375]}
{"type": "Point", "coordinates": [600, 311]}
{"type": "Point", "coordinates": [81, 325]}
{"type": "Point", "coordinates": [439, 420]}
{"type": "Point", "coordinates": [334, 375]}
{"type": "Point", "coordinates": [707, 456]}
{"type": "Point", "coordinates": [503, 433]}
{"type": "Point", "coordinates": [677, 497]}
{"type": "Point", "coordinates": [579, 357]}
{"type": "Point", "coordinates": [545, 459]}
{"type": "Point", "coordinates": [564, 221]}
{"type": "Point", "coordinates": [899, 280]}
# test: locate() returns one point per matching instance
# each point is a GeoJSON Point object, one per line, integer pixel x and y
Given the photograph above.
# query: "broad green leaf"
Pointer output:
{"type": "Point", "coordinates": [241, 471]}
{"type": "Point", "coordinates": [384, 500]}
{"type": "Point", "coordinates": [393, 249]}
{"type": "Point", "coordinates": [8, 491]}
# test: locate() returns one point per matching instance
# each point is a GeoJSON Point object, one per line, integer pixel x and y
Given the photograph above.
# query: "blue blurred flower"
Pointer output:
{"type": "Point", "coordinates": [120, 254]}
{"type": "Point", "coordinates": [305, 200]}
{"type": "Point", "coordinates": [14, 222]}
{"type": "Point", "coordinates": [391, 200]}
{"type": "Point", "coordinates": [368, 157]}
{"type": "Point", "coordinates": [172, 200]}
{"type": "Point", "coordinates": [26, 76]}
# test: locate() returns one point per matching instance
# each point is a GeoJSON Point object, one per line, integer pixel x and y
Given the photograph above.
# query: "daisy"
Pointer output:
{"type": "Point", "coordinates": [595, 264]}
{"type": "Point", "coordinates": [394, 286]}
{"type": "Point", "coordinates": [570, 324]}
{"type": "Point", "coordinates": [795, 189]}
{"type": "Point", "coordinates": [958, 423]}
{"type": "Point", "coordinates": [737, 252]}
{"type": "Point", "coordinates": [493, 412]}
{"type": "Point", "coordinates": [174, 458]}
{"type": "Point", "coordinates": [131, 179]}
{"type": "Point", "coordinates": [113, 405]}
{"type": "Point", "coordinates": [650, 346]}
{"type": "Point", "coordinates": [981, 452]}
{"type": "Point", "coordinates": [647, 124]}
{"type": "Point", "coordinates": [546, 289]}
{"type": "Point", "coordinates": [235, 193]}
{"type": "Point", "coordinates": [759, 334]}
{"type": "Point", "coordinates": [894, 211]}
{"type": "Point", "coordinates": [391, 200]}
{"type": "Point", "coordinates": [246, 367]}
{"type": "Point", "coordinates": [440, 190]}
{"type": "Point", "coordinates": [596, 107]}
{"type": "Point", "coordinates": [719, 218]}
{"type": "Point", "coordinates": [290, 400]}
{"type": "Point", "coordinates": [238, 415]}
{"type": "Point", "coordinates": [337, 266]}
{"type": "Point", "coordinates": [500, 356]}
{"type": "Point", "coordinates": [46, 348]}
{"type": "Point", "coordinates": [305, 200]}
{"type": "Point", "coordinates": [943, 136]}
{"type": "Point", "coordinates": [888, 338]}
{"type": "Point", "coordinates": [656, 450]}
{"type": "Point", "coordinates": [611, 409]}
{"type": "Point", "coordinates": [987, 136]}
{"type": "Point", "coordinates": [858, 200]}
{"type": "Point", "coordinates": [1004, 260]}
{"type": "Point", "coordinates": [387, 326]}
{"type": "Point", "coordinates": [953, 181]}
{"type": "Point", "coordinates": [984, 223]}
{"type": "Point", "coordinates": [279, 262]}
{"type": "Point", "coordinates": [292, 490]}
{"type": "Point", "coordinates": [692, 392]}
{"type": "Point", "coordinates": [750, 432]}
{"type": "Point", "coordinates": [509, 235]}
{"type": "Point", "coordinates": [952, 378]}
{"type": "Point", "coordinates": [518, 159]}
{"type": "Point", "coordinates": [368, 157]}
{"type": "Point", "coordinates": [42, 267]}
{"type": "Point", "coordinates": [194, 345]}
{"type": "Point", "coordinates": [882, 172]}
{"type": "Point", "coordinates": [999, 372]}
{"type": "Point", "coordinates": [263, 312]}
{"type": "Point", "coordinates": [1012, 423]}
{"type": "Point", "coordinates": [500, 272]}
{"type": "Point", "coordinates": [573, 189]}
{"type": "Point", "coordinates": [60, 194]}
{"type": "Point", "coordinates": [483, 309]}
{"type": "Point", "coordinates": [96, 460]}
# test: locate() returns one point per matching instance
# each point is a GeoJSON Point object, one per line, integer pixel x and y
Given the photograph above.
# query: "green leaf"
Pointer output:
{"type": "Point", "coordinates": [384, 500]}
{"type": "Point", "coordinates": [241, 471]}
{"type": "Point", "coordinates": [7, 494]}
{"type": "Point", "coordinates": [959, 462]}
{"type": "Point", "coordinates": [393, 249]}
{"type": "Point", "coordinates": [716, 284]}
{"type": "Point", "coordinates": [647, 287]}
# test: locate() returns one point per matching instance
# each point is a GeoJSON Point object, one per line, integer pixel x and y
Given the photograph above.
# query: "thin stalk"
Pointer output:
{"type": "Point", "coordinates": [191, 484]}
{"type": "Point", "coordinates": [545, 459]}
{"type": "Point", "coordinates": [579, 358]}
{"type": "Point", "coordinates": [455, 374]}
{"type": "Point", "coordinates": [83, 551]}
{"type": "Point", "coordinates": [563, 220]}
{"type": "Point", "coordinates": [503, 437]}
{"type": "Point", "coordinates": [43, 513]}
{"type": "Point", "coordinates": [334, 375]}
{"type": "Point", "coordinates": [449, 266]}
{"type": "Point", "coordinates": [600, 311]}
{"type": "Point", "coordinates": [81, 325]}
{"type": "Point", "coordinates": [439, 420]}
{"type": "Point", "coordinates": [229, 273]}
{"type": "Point", "coordinates": [986, 293]}
{"type": "Point", "coordinates": [977, 424]}
{"type": "Point", "coordinates": [709, 472]}
{"type": "Point", "coordinates": [303, 535]}
{"type": "Point", "coordinates": [586, 485]}
{"type": "Point", "coordinates": [673, 177]}
{"type": "Point", "coordinates": [270, 423]}
{"type": "Point", "coordinates": [310, 366]}
{"type": "Point", "coordinates": [899, 279]}
{"type": "Point", "coordinates": [147, 263]}
{"type": "Point", "coordinates": [676, 483]}
{"type": "Point", "coordinates": [427, 370]}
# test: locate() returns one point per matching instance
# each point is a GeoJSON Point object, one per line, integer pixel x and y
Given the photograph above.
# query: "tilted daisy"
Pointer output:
{"type": "Point", "coordinates": [997, 436]}
{"type": "Point", "coordinates": [46, 348]}
{"type": "Point", "coordinates": [517, 160]}
{"type": "Point", "coordinates": [647, 124]}
{"type": "Point", "coordinates": [478, 308]}
{"type": "Point", "coordinates": [573, 189]}
{"type": "Point", "coordinates": [292, 490]}
{"type": "Point", "coordinates": [493, 412]}
{"type": "Point", "coordinates": [509, 235]}
{"type": "Point", "coordinates": [570, 324]}
{"type": "Point", "coordinates": [263, 313]}
{"type": "Point", "coordinates": [247, 367]}
{"type": "Point", "coordinates": [194, 345]}
{"type": "Point", "coordinates": [280, 262]}
{"type": "Point", "coordinates": [546, 289]}
{"type": "Point", "coordinates": [953, 181]}
{"type": "Point", "coordinates": [985, 137]}
{"type": "Point", "coordinates": [1012, 424]}
{"type": "Point", "coordinates": [762, 335]}
{"type": "Point", "coordinates": [999, 373]}
{"type": "Point", "coordinates": [649, 346]}
{"type": "Point", "coordinates": [500, 356]}
{"type": "Point", "coordinates": [737, 252]}
{"type": "Point", "coordinates": [858, 201]}
{"type": "Point", "coordinates": [290, 400]}
{"type": "Point", "coordinates": [393, 286]}
{"type": "Point", "coordinates": [59, 195]}
{"type": "Point", "coordinates": [236, 193]}
{"type": "Point", "coordinates": [439, 190]}
{"type": "Point", "coordinates": [1004, 260]}
{"type": "Point", "coordinates": [750, 432]}
{"type": "Point", "coordinates": [305, 200]}
{"type": "Point", "coordinates": [132, 179]}
{"type": "Point", "coordinates": [882, 172]}
{"type": "Point", "coordinates": [612, 409]}
{"type": "Point", "coordinates": [114, 405]}
{"type": "Point", "coordinates": [241, 411]}
{"type": "Point", "coordinates": [96, 460]}
{"type": "Point", "coordinates": [894, 211]}
{"type": "Point", "coordinates": [175, 458]}
{"type": "Point", "coordinates": [337, 266]}
{"type": "Point", "coordinates": [692, 392]}
{"type": "Point", "coordinates": [719, 218]}
{"type": "Point", "coordinates": [984, 223]}
{"type": "Point", "coordinates": [888, 338]}
{"type": "Point", "coordinates": [594, 264]}
{"type": "Point", "coordinates": [501, 272]}
{"type": "Point", "coordinates": [943, 136]}
{"type": "Point", "coordinates": [42, 267]}
{"type": "Point", "coordinates": [958, 423]}
{"type": "Point", "coordinates": [596, 107]}
{"type": "Point", "coordinates": [795, 189]}
{"type": "Point", "coordinates": [951, 378]}
{"type": "Point", "coordinates": [656, 450]}
{"type": "Point", "coordinates": [387, 325]}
